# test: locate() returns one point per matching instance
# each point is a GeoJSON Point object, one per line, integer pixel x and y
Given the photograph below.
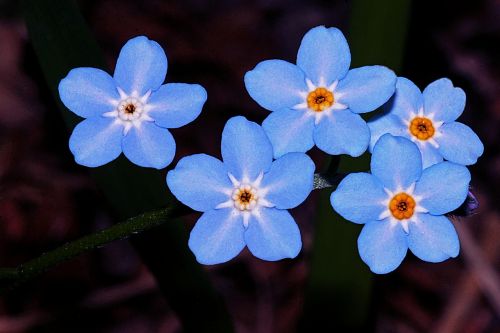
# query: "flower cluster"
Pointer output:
{"type": "Point", "coordinates": [244, 199]}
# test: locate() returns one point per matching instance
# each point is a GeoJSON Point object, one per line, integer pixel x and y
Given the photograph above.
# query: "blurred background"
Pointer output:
{"type": "Point", "coordinates": [46, 199]}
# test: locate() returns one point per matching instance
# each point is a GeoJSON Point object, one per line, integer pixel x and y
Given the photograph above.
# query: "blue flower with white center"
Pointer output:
{"type": "Point", "coordinates": [244, 198]}
{"type": "Point", "coordinates": [428, 119]}
{"type": "Point", "coordinates": [402, 206]}
{"type": "Point", "coordinates": [131, 111]}
{"type": "Point", "coordinates": [318, 100]}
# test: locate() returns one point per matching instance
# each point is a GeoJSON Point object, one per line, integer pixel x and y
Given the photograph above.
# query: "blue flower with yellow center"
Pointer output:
{"type": "Point", "coordinates": [131, 111]}
{"type": "Point", "coordinates": [402, 206]}
{"type": "Point", "coordinates": [244, 198]}
{"type": "Point", "coordinates": [318, 100]}
{"type": "Point", "coordinates": [428, 119]}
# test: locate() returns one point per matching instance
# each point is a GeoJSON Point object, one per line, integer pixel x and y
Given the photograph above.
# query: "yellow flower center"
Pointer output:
{"type": "Point", "coordinates": [402, 206]}
{"type": "Point", "coordinates": [320, 99]}
{"type": "Point", "coordinates": [245, 197]}
{"type": "Point", "coordinates": [422, 128]}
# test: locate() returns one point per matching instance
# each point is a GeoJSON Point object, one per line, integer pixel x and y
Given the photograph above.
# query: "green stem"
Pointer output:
{"type": "Point", "coordinates": [338, 294]}
{"type": "Point", "coordinates": [8, 274]}
{"type": "Point", "coordinates": [11, 277]}
{"type": "Point", "coordinates": [70, 250]}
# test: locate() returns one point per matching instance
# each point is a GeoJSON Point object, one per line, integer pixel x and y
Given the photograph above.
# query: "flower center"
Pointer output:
{"type": "Point", "coordinates": [130, 108]}
{"type": "Point", "coordinates": [320, 99]}
{"type": "Point", "coordinates": [402, 206]}
{"type": "Point", "coordinates": [245, 197]}
{"type": "Point", "coordinates": [422, 128]}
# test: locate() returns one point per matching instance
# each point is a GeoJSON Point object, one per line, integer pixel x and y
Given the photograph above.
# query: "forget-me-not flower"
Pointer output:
{"type": "Point", "coordinates": [402, 205]}
{"type": "Point", "coordinates": [318, 100]}
{"type": "Point", "coordinates": [428, 119]}
{"type": "Point", "coordinates": [131, 111]}
{"type": "Point", "coordinates": [244, 198]}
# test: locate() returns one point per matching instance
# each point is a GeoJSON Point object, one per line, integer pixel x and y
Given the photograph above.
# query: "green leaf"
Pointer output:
{"type": "Point", "coordinates": [339, 289]}
{"type": "Point", "coordinates": [62, 41]}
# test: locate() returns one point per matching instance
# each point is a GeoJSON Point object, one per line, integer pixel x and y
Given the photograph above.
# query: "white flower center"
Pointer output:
{"type": "Point", "coordinates": [130, 110]}
{"type": "Point", "coordinates": [246, 197]}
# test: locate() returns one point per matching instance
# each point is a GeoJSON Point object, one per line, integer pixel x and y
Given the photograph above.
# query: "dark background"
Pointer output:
{"type": "Point", "coordinates": [46, 199]}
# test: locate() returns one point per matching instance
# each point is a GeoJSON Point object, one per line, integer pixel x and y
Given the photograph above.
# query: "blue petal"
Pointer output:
{"type": "Point", "coordinates": [444, 101]}
{"type": "Point", "coordinates": [430, 155]}
{"type": "Point", "coordinates": [382, 246]}
{"type": "Point", "coordinates": [246, 150]}
{"type": "Point", "coordinates": [289, 131]}
{"type": "Point", "coordinates": [200, 182]}
{"type": "Point", "coordinates": [443, 187]}
{"type": "Point", "coordinates": [324, 55]}
{"type": "Point", "coordinates": [276, 84]}
{"type": "Point", "coordinates": [342, 132]}
{"type": "Point", "coordinates": [96, 141]}
{"type": "Point", "coordinates": [273, 235]}
{"type": "Point", "coordinates": [359, 197]}
{"type": "Point", "coordinates": [396, 161]}
{"type": "Point", "coordinates": [407, 99]}
{"type": "Point", "coordinates": [217, 237]}
{"type": "Point", "coordinates": [176, 104]}
{"type": "Point", "coordinates": [88, 92]}
{"type": "Point", "coordinates": [433, 238]}
{"type": "Point", "coordinates": [385, 123]}
{"type": "Point", "coordinates": [458, 143]}
{"type": "Point", "coordinates": [366, 88]}
{"type": "Point", "coordinates": [149, 146]}
{"type": "Point", "coordinates": [141, 66]}
{"type": "Point", "coordinates": [289, 181]}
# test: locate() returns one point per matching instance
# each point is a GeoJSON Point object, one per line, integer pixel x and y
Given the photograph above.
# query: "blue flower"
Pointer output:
{"type": "Point", "coordinates": [131, 111]}
{"type": "Point", "coordinates": [428, 119]}
{"type": "Point", "coordinates": [318, 101]}
{"type": "Point", "coordinates": [402, 206]}
{"type": "Point", "coordinates": [244, 198]}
